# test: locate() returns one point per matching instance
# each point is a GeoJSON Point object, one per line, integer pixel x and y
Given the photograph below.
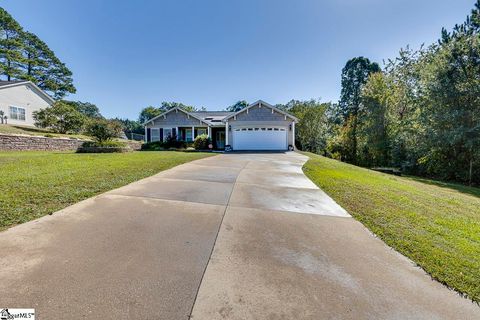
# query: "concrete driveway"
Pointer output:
{"type": "Point", "coordinates": [236, 236]}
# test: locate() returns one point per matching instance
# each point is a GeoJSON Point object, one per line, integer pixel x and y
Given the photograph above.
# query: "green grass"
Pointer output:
{"type": "Point", "coordinates": [435, 224]}
{"type": "Point", "coordinates": [34, 131]}
{"type": "Point", "coordinates": [33, 184]}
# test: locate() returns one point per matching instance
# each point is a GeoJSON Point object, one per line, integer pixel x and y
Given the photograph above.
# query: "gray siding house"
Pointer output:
{"type": "Point", "coordinates": [260, 126]}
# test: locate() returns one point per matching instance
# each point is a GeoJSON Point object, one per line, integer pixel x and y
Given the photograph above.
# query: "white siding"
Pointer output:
{"type": "Point", "coordinates": [24, 97]}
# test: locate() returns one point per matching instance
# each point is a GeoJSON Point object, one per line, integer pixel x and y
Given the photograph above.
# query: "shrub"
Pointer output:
{"type": "Point", "coordinates": [172, 142]}
{"type": "Point", "coordinates": [60, 118]}
{"type": "Point", "coordinates": [201, 142]}
{"type": "Point", "coordinates": [104, 130]}
{"type": "Point", "coordinates": [103, 147]}
{"type": "Point", "coordinates": [153, 146]}
{"type": "Point", "coordinates": [105, 144]}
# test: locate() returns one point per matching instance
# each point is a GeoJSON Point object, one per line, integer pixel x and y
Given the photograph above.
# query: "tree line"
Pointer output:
{"type": "Point", "coordinates": [420, 112]}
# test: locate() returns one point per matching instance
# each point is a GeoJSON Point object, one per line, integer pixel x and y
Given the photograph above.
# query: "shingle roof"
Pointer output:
{"type": "Point", "coordinates": [6, 83]}
{"type": "Point", "coordinates": [212, 117]}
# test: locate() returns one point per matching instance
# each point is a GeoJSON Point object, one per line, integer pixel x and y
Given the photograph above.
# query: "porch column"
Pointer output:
{"type": "Point", "coordinates": [209, 132]}
{"type": "Point", "coordinates": [145, 138]}
{"type": "Point", "coordinates": [293, 132]}
{"type": "Point", "coordinates": [226, 133]}
{"type": "Point", "coordinates": [193, 133]}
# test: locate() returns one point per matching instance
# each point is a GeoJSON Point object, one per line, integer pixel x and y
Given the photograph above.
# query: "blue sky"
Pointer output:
{"type": "Point", "coordinates": [128, 55]}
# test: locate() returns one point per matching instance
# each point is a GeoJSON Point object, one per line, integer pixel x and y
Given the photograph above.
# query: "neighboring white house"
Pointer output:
{"type": "Point", "coordinates": [19, 99]}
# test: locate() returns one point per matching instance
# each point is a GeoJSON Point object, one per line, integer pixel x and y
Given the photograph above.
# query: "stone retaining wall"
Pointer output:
{"type": "Point", "coordinates": [14, 142]}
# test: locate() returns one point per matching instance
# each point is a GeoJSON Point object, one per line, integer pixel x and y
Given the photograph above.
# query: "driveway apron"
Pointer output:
{"type": "Point", "coordinates": [236, 236]}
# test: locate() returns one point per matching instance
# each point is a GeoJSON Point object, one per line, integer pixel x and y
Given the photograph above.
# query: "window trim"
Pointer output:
{"type": "Point", "coordinates": [152, 135]}
{"type": "Point", "coordinates": [17, 113]}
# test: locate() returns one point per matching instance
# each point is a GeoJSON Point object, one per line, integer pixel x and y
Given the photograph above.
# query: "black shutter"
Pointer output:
{"type": "Point", "coordinates": [174, 133]}
{"type": "Point", "coordinates": [161, 134]}
{"type": "Point", "coordinates": [149, 135]}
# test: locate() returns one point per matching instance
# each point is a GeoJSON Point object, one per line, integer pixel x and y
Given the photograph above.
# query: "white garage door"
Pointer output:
{"type": "Point", "coordinates": [260, 138]}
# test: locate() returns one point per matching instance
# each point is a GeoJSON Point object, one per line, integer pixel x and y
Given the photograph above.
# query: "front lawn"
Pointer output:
{"type": "Point", "coordinates": [33, 184]}
{"type": "Point", "coordinates": [437, 225]}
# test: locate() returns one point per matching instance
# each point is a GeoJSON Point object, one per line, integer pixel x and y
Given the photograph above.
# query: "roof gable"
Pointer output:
{"type": "Point", "coordinates": [261, 103]}
{"type": "Point", "coordinates": [176, 109]}
{"type": "Point", "coordinates": [8, 84]}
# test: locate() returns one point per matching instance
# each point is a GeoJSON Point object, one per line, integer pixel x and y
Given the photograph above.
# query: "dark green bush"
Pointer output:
{"type": "Point", "coordinates": [104, 144]}
{"type": "Point", "coordinates": [172, 142]}
{"type": "Point", "coordinates": [169, 143]}
{"type": "Point", "coordinates": [103, 129]}
{"type": "Point", "coordinates": [201, 142]}
{"type": "Point", "coordinates": [153, 146]}
{"type": "Point", "coordinates": [103, 147]}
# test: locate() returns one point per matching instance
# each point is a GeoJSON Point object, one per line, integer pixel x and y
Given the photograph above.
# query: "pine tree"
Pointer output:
{"type": "Point", "coordinates": [44, 69]}
{"type": "Point", "coordinates": [11, 45]}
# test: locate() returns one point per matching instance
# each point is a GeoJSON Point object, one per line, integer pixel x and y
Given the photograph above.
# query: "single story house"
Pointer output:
{"type": "Point", "coordinates": [260, 126]}
{"type": "Point", "coordinates": [19, 99]}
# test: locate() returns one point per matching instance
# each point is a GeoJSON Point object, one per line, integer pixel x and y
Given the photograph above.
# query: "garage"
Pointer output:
{"type": "Point", "coordinates": [260, 138]}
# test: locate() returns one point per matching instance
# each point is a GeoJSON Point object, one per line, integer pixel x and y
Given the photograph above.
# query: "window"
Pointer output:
{"type": "Point", "coordinates": [155, 132]}
{"type": "Point", "coordinates": [17, 113]}
{"type": "Point", "coordinates": [188, 135]}
{"type": "Point", "coordinates": [201, 131]}
{"type": "Point", "coordinates": [167, 132]}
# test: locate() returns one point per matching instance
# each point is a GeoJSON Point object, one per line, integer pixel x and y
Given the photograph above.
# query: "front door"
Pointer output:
{"type": "Point", "coordinates": [220, 139]}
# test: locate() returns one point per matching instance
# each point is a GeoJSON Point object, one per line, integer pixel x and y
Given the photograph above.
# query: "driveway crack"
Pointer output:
{"type": "Point", "coordinates": [215, 241]}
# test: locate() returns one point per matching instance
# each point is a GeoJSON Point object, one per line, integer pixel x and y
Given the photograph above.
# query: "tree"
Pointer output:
{"type": "Point", "coordinates": [354, 76]}
{"type": "Point", "coordinates": [170, 105]}
{"type": "Point", "coordinates": [60, 117]}
{"type": "Point", "coordinates": [151, 112]}
{"type": "Point", "coordinates": [373, 125]}
{"type": "Point", "coordinates": [312, 130]}
{"type": "Point", "coordinates": [148, 113]}
{"type": "Point", "coordinates": [451, 110]}
{"type": "Point", "coordinates": [88, 109]}
{"type": "Point", "coordinates": [239, 105]}
{"type": "Point", "coordinates": [103, 130]}
{"type": "Point", "coordinates": [11, 46]}
{"type": "Point", "coordinates": [131, 126]}
{"type": "Point", "coordinates": [43, 68]}
{"type": "Point", "coordinates": [24, 56]}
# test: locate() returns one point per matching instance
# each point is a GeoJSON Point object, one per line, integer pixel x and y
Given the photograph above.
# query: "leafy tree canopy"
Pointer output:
{"type": "Point", "coordinates": [60, 117]}
{"type": "Point", "coordinates": [239, 105]}
{"type": "Point", "coordinates": [88, 109]}
{"type": "Point", "coordinates": [151, 112]}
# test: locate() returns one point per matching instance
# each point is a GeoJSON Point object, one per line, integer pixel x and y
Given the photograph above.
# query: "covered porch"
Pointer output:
{"type": "Point", "coordinates": [216, 134]}
{"type": "Point", "coordinates": [188, 134]}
